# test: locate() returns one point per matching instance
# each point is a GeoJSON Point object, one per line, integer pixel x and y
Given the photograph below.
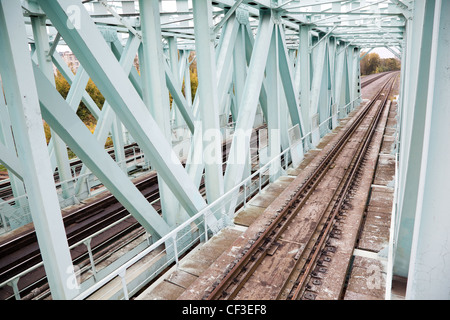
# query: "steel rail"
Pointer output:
{"type": "Point", "coordinates": [371, 80]}
{"type": "Point", "coordinates": [349, 180]}
{"type": "Point", "coordinates": [257, 249]}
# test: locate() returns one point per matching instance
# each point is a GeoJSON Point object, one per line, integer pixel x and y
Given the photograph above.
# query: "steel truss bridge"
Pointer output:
{"type": "Point", "coordinates": [292, 65]}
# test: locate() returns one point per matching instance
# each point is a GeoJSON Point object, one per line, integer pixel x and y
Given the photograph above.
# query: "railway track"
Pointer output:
{"type": "Point", "coordinates": [131, 150]}
{"type": "Point", "coordinates": [22, 251]}
{"type": "Point", "coordinates": [373, 79]}
{"type": "Point", "coordinates": [299, 252]}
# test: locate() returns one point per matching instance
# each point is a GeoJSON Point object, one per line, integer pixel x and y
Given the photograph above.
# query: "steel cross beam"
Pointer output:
{"type": "Point", "coordinates": [59, 114]}
{"type": "Point", "coordinates": [8, 154]}
{"type": "Point", "coordinates": [107, 116]}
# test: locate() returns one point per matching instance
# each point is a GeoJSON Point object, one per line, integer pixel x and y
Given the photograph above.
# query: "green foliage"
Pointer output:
{"type": "Point", "coordinates": [389, 64]}
{"type": "Point", "coordinates": [62, 86]}
{"type": "Point", "coordinates": [48, 134]}
{"type": "Point", "coordinates": [83, 112]}
{"type": "Point", "coordinates": [98, 98]}
{"type": "Point", "coordinates": [194, 78]}
{"type": "Point", "coordinates": [372, 63]}
{"type": "Point", "coordinates": [194, 83]}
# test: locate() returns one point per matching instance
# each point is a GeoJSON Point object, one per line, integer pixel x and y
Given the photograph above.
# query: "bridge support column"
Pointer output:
{"type": "Point", "coordinates": [412, 129]}
{"type": "Point", "coordinates": [273, 107]}
{"type": "Point", "coordinates": [155, 93]}
{"type": "Point", "coordinates": [429, 272]}
{"type": "Point", "coordinates": [305, 78]}
{"type": "Point", "coordinates": [23, 106]}
{"type": "Point", "coordinates": [209, 102]}
{"type": "Point", "coordinates": [248, 105]}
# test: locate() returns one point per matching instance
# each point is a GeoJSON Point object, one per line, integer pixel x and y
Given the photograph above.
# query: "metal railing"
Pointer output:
{"type": "Point", "coordinates": [171, 239]}
{"type": "Point", "coordinates": [15, 210]}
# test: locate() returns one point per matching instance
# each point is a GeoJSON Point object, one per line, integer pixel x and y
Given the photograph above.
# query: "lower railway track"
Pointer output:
{"type": "Point", "coordinates": [20, 252]}
{"type": "Point", "coordinates": [288, 258]}
{"type": "Point", "coordinates": [132, 152]}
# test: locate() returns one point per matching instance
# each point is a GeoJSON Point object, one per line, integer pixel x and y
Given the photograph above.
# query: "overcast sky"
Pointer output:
{"type": "Point", "coordinates": [383, 53]}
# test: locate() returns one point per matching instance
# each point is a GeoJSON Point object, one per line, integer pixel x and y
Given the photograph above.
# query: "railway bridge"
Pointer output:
{"type": "Point", "coordinates": [233, 150]}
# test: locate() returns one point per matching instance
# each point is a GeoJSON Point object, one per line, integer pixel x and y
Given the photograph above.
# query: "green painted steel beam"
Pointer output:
{"type": "Point", "coordinates": [412, 128]}
{"type": "Point", "coordinates": [209, 102]}
{"type": "Point", "coordinates": [304, 65]}
{"type": "Point", "coordinates": [274, 105]}
{"type": "Point", "coordinates": [9, 159]}
{"type": "Point", "coordinates": [107, 115]}
{"type": "Point", "coordinates": [180, 101]}
{"type": "Point", "coordinates": [156, 95]}
{"type": "Point", "coordinates": [240, 144]}
{"type": "Point", "coordinates": [174, 67]}
{"type": "Point", "coordinates": [59, 148]}
{"type": "Point", "coordinates": [429, 274]}
{"type": "Point", "coordinates": [287, 79]}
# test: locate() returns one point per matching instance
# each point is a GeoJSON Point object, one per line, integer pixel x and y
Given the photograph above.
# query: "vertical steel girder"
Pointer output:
{"type": "Point", "coordinates": [174, 67]}
{"type": "Point", "coordinates": [317, 99]}
{"type": "Point", "coordinates": [209, 103]}
{"type": "Point", "coordinates": [23, 105]}
{"type": "Point", "coordinates": [59, 148]}
{"type": "Point", "coordinates": [240, 63]}
{"type": "Point", "coordinates": [422, 232]}
{"type": "Point", "coordinates": [187, 80]}
{"type": "Point", "coordinates": [155, 93]}
{"type": "Point", "coordinates": [304, 69]}
{"type": "Point", "coordinates": [195, 164]}
{"type": "Point", "coordinates": [274, 105]}
{"type": "Point", "coordinates": [429, 272]}
{"type": "Point", "coordinates": [412, 128]}
{"type": "Point", "coordinates": [341, 78]}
